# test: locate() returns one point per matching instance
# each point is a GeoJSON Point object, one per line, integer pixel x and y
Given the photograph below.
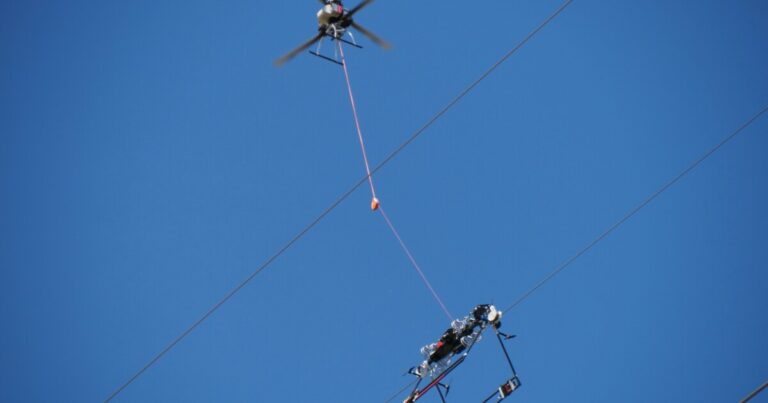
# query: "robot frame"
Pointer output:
{"type": "Point", "coordinates": [334, 21]}
{"type": "Point", "coordinates": [458, 341]}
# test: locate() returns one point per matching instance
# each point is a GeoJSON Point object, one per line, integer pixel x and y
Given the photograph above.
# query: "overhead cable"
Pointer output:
{"type": "Point", "coordinates": [755, 393]}
{"type": "Point", "coordinates": [636, 209]}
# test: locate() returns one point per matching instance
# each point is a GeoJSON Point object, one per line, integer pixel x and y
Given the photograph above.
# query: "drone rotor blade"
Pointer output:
{"type": "Point", "coordinates": [358, 7]}
{"type": "Point", "coordinates": [290, 55]}
{"type": "Point", "coordinates": [384, 44]}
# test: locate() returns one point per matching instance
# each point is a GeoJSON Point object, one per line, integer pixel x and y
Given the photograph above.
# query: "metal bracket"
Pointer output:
{"type": "Point", "coordinates": [350, 43]}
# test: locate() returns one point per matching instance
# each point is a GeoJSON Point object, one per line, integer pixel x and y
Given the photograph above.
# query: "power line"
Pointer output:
{"type": "Point", "coordinates": [235, 290]}
{"type": "Point", "coordinates": [335, 204]}
{"type": "Point", "coordinates": [754, 393]}
{"type": "Point", "coordinates": [403, 389]}
{"type": "Point", "coordinates": [637, 209]}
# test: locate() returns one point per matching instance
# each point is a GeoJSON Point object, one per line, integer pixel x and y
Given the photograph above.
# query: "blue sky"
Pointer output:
{"type": "Point", "coordinates": [152, 157]}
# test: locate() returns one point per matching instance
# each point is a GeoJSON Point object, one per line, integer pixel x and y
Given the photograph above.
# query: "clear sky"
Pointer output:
{"type": "Point", "coordinates": [151, 157]}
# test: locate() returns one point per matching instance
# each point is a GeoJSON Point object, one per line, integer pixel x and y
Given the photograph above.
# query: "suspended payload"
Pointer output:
{"type": "Point", "coordinates": [444, 356]}
{"type": "Point", "coordinates": [334, 22]}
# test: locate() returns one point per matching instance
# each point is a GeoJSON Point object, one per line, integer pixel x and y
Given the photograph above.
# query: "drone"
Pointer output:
{"type": "Point", "coordinates": [456, 343]}
{"type": "Point", "coordinates": [334, 22]}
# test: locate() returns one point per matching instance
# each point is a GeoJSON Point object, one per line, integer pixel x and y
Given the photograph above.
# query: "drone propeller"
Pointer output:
{"type": "Point", "coordinates": [384, 44]}
{"type": "Point", "coordinates": [358, 7]}
{"type": "Point", "coordinates": [290, 55]}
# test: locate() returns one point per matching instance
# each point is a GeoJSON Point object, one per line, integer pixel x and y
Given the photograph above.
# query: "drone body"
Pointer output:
{"type": "Point", "coordinates": [334, 22]}
{"type": "Point", "coordinates": [331, 13]}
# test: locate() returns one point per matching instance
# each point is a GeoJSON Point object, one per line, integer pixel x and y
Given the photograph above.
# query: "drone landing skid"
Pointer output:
{"type": "Point", "coordinates": [330, 59]}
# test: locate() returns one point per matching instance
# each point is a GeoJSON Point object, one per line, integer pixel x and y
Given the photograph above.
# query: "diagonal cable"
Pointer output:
{"type": "Point", "coordinates": [755, 392]}
{"type": "Point", "coordinates": [637, 209]}
{"type": "Point", "coordinates": [403, 389]}
{"type": "Point", "coordinates": [335, 204]}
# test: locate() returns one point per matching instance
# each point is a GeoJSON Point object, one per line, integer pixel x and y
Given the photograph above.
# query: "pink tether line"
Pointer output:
{"type": "Point", "coordinates": [416, 265]}
{"type": "Point", "coordinates": [374, 202]}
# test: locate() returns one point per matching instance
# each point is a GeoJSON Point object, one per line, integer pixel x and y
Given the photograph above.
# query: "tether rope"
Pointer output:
{"type": "Point", "coordinates": [415, 265]}
{"type": "Point", "coordinates": [375, 202]}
